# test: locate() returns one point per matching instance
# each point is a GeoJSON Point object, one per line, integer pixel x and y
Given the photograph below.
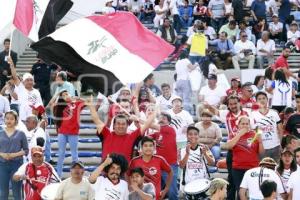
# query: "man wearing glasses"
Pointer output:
{"type": "Point", "coordinates": [246, 98]}
{"type": "Point", "coordinates": [244, 49]}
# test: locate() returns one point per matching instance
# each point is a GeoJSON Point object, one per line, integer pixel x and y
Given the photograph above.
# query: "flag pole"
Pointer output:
{"type": "Point", "coordinates": [11, 39]}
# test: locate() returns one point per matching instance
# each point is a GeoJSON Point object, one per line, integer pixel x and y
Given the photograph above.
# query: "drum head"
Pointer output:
{"type": "Point", "coordinates": [197, 186]}
{"type": "Point", "coordinates": [49, 192]}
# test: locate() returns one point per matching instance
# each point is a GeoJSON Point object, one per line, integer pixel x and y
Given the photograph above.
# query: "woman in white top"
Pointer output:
{"type": "Point", "coordinates": [161, 10]}
{"type": "Point", "coordinates": [283, 91]}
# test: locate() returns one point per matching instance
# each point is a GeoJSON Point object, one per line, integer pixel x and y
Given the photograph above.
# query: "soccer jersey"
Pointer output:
{"type": "Point", "coordinates": [195, 167]}
{"type": "Point", "coordinates": [267, 123]}
{"type": "Point", "coordinates": [282, 93]}
{"type": "Point", "coordinates": [106, 190]}
{"type": "Point", "coordinates": [152, 170]}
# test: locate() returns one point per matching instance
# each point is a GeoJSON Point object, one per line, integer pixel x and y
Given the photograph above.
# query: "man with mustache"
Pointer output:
{"type": "Point", "coordinates": [109, 185]}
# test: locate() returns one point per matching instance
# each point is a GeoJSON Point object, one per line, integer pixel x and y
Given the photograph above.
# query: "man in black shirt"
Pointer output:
{"type": "Point", "coordinates": [4, 66]}
{"type": "Point", "coordinates": [41, 72]}
{"type": "Point", "coordinates": [238, 10]}
{"type": "Point", "coordinates": [293, 123]}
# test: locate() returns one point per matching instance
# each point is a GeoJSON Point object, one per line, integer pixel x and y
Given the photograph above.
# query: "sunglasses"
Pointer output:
{"type": "Point", "coordinates": [244, 36]}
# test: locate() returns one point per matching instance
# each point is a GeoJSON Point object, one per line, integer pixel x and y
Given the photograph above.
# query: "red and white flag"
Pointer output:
{"type": "Point", "coordinates": [117, 42]}
{"type": "Point", "coordinates": [38, 18]}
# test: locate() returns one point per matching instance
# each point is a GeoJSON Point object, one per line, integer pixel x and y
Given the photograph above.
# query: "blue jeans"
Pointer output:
{"type": "Point", "coordinates": [197, 59]}
{"type": "Point", "coordinates": [184, 90]}
{"type": "Point", "coordinates": [216, 151]}
{"type": "Point", "coordinates": [62, 143]}
{"type": "Point", "coordinates": [173, 191]}
{"type": "Point", "coordinates": [7, 171]}
{"type": "Point", "coordinates": [47, 147]}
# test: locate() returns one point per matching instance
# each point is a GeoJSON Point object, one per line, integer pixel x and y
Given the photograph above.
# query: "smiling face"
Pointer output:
{"type": "Point", "coordinates": [193, 136]}
{"type": "Point", "coordinates": [77, 172]}
{"type": "Point", "coordinates": [114, 173]}
{"type": "Point", "coordinates": [148, 148]}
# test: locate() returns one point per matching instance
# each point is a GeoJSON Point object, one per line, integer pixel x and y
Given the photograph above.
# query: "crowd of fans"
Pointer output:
{"type": "Point", "coordinates": [159, 141]}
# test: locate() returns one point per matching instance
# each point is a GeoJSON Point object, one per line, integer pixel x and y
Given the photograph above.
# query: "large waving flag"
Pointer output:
{"type": "Point", "coordinates": [38, 18]}
{"type": "Point", "coordinates": [117, 43]}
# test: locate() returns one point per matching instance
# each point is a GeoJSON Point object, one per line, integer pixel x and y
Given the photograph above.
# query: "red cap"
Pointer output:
{"type": "Point", "coordinates": [40, 109]}
{"type": "Point", "coordinates": [37, 150]}
{"type": "Point", "coordinates": [236, 79]}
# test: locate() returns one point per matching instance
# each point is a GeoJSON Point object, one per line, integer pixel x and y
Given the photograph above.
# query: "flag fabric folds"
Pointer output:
{"type": "Point", "coordinates": [116, 43]}
{"type": "Point", "coordinates": [36, 18]}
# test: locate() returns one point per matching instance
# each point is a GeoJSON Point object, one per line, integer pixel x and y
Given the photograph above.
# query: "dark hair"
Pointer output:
{"type": "Point", "coordinates": [297, 96]}
{"type": "Point", "coordinates": [296, 150]}
{"type": "Point", "coordinates": [137, 170]}
{"type": "Point", "coordinates": [167, 115]}
{"type": "Point", "coordinates": [260, 93]}
{"type": "Point", "coordinates": [192, 127]}
{"type": "Point", "coordinates": [146, 139]}
{"type": "Point", "coordinates": [280, 76]}
{"type": "Point", "coordinates": [6, 40]}
{"type": "Point", "coordinates": [243, 22]}
{"type": "Point", "coordinates": [59, 109]}
{"type": "Point", "coordinates": [183, 55]}
{"type": "Point", "coordinates": [257, 78]}
{"type": "Point", "coordinates": [232, 97]}
{"type": "Point", "coordinates": [165, 85]}
{"type": "Point", "coordinates": [63, 75]}
{"type": "Point", "coordinates": [280, 168]}
{"type": "Point", "coordinates": [120, 116]}
{"type": "Point", "coordinates": [118, 160]}
{"type": "Point", "coordinates": [287, 139]}
{"type": "Point", "coordinates": [150, 76]}
{"type": "Point", "coordinates": [268, 73]}
{"type": "Point", "coordinates": [288, 110]}
{"type": "Point", "coordinates": [13, 113]}
{"type": "Point", "coordinates": [40, 141]}
{"type": "Point", "coordinates": [223, 32]}
{"type": "Point", "coordinates": [241, 32]}
{"type": "Point", "coordinates": [268, 187]}
{"type": "Point", "coordinates": [205, 65]}
{"type": "Point", "coordinates": [247, 84]}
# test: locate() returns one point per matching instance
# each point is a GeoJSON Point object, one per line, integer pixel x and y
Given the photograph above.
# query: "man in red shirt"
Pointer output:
{"type": "Point", "coordinates": [282, 62]}
{"type": "Point", "coordinates": [37, 174]}
{"type": "Point", "coordinates": [167, 148]}
{"type": "Point", "coordinates": [153, 165]}
{"type": "Point", "coordinates": [246, 99]}
{"type": "Point", "coordinates": [118, 141]}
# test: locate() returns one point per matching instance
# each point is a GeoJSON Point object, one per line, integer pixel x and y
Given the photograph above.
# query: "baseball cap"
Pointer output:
{"type": "Point", "coordinates": [77, 163]}
{"type": "Point", "coordinates": [40, 109]}
{"type": "Point", "coordinates": [285, 150]}
{"type": "Point", "coordinates": [268, 161]}
{"type": "Point", "coordinates": [274, 15]}
{"type": "Point", "coordinates": [177, 97]}
{"type": "Point", "coordinates": [27, 76]}
{"type": "Point", "coordinates": [37, 150]}
{"type": "Point", "coordinates": [212, 76]}
{"type": "Point", "coordinates": [236, 79]}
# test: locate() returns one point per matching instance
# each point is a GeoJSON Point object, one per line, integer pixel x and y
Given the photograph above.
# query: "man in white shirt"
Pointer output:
{"type": "Point", "coordinates": [164, 101]}
{"type": "Point", "coordinates": [76, 187]}
{"type": "Point", "coordinates": [27, 95]}
{"type": "Point", "coordinates": [265, 50]}
{"type": "Point", "coordinates": [268, 122]}
{"type": "Point", "coordinates": [253, 178]}
{"type": "Point", "coordinates": [110, 186]}
{"type": "Point", "coordinates": [276, 28]}
{"type": "Point", "coordinates": [244, 49]}
{"type": "Point", "coordinates": [181, 119]}
{"type": "Point", "coordinates": [108, 8]}
{"type": "Point", "coordinates": [212, 93]}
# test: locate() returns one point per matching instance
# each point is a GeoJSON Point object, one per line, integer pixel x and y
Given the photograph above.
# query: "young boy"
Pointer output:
{"type": "Point", "coordinates": [152, 166]}
{"type": "Point", "coordinates": [140, 189]}
{"type": "Point", "coordinates": [194, 158]}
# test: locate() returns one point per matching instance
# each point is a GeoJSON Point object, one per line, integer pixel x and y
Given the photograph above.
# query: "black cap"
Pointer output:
{"type": "Point", "coordinates": [77, 163]}
{"type": "Point", "coordinates": [212, 76]}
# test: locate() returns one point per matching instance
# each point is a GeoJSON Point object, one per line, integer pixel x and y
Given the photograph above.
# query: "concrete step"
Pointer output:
{"type": "Point", "coordinates": [81, 146]}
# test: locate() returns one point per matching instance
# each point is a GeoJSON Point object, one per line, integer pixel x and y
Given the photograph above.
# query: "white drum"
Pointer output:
{"type": "Point", "coordinates": [49, 192]}
{"type": "Point", "coordinates": [196, 189]}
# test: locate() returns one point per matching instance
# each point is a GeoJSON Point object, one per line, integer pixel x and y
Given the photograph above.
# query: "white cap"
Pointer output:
{"type": "Point", "coordinates": [27, 76]}
{"type": "Point", "coordinates": [107, 1]}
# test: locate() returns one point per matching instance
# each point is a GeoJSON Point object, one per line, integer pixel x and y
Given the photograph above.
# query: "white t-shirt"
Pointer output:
{"type": "Point", "coordinates": [182, 69]}
{"type": "Point", "coordinates": [267, 123]}
{"type": "Point", "coordinates": [108, 10]}
{"type": "Point", "coordinates": [210, 31]}
{"type": "Point", "coordinates": [26, 99]}
{"type": "Point", "coordinates": [239, 46]}
{"type": "Point", "coordinates": [195, 167]}
{"type": "Point", "coordinates": [212, 97]}
{"type": "Point", "coordinates": [275, 27]}
{"type": "Point", "coordinates": [32, 136]}
{"type": "Point", "coordinates": [105, 189]}
{"type": "Point", "coordinates": [268, 46]}
{"type": "Point", "coordinates": [286, 174]}
{"type": "Point", "coordinates": [282, 93]}
{"type": "Point", "coordinates": [251, 181]}
{"type": "Point", "coordinates": [293, 183]}
{"type": "Point", "coordinates": [163, 103]}
{"type": "Point", "coordinates": [180, 122]}
{"type": "Point", "coordinates": [80, 191]}
{"type": "Point", "coordinates": [293, 36]}
{"type": "Point", "coordinates": [4, 107]}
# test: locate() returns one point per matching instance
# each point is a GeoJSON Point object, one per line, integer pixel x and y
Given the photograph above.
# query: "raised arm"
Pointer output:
{"type": "Point", "coordinates": [98, 171]}
{"type": "Point", "coordinates": [231, 143]}
{"type": "Point", "coordinates": [99, 124]}
{"type": "Point", "coordinates": [13, 71]}
{"type": "Point", "coordinates": [148, 122]}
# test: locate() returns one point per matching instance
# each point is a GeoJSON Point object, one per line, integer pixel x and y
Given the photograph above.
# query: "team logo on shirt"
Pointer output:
{"type": "Point", "coordinates": [112, 194]}
{"type": "Point", "coordinates": [152, 171]}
